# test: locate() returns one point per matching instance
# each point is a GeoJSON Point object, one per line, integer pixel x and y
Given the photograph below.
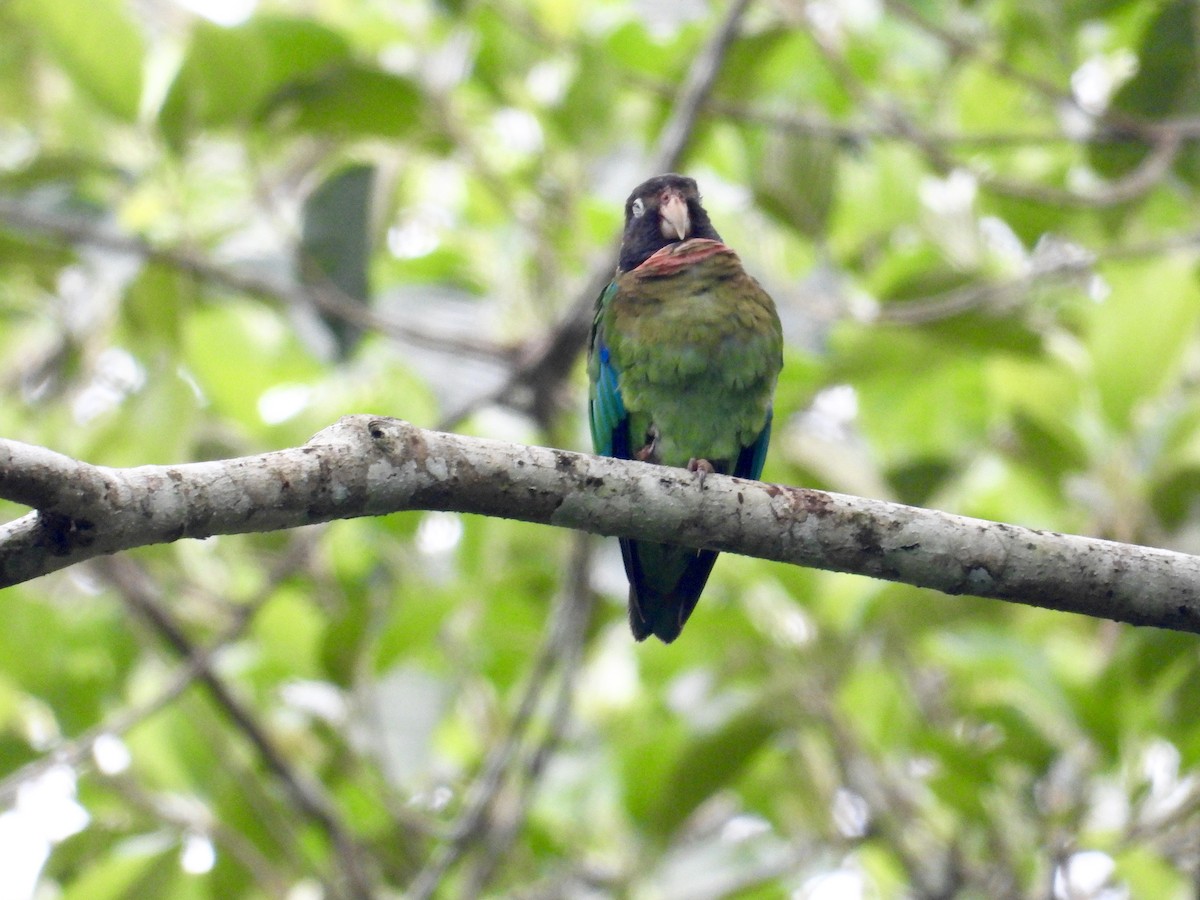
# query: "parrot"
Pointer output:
{"type": "Point", "coordinates": [683, 358]}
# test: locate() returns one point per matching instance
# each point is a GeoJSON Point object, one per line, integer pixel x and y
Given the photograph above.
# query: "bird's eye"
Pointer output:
{"type": "Point", "coordinates": [638, 208]}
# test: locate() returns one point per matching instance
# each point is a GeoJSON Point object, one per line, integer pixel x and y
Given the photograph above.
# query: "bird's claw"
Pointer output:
{"type": "Point", "coordinates": [649, 453]}
{"type": "Point", "coordinates": [702, 467]}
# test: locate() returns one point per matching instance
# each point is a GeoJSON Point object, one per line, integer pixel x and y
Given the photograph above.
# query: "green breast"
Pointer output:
{"type": "Point", "coordinates": [698, 348]}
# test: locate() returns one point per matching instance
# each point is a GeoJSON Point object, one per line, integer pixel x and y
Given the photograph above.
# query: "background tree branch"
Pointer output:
{"type": "Point", "coordinates": [363, 466]}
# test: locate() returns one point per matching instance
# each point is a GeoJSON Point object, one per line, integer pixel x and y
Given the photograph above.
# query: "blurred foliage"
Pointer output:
{"type": "Point", "coordinates": [218, 235]}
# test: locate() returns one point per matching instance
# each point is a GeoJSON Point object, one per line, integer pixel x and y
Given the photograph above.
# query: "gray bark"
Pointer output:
{"type": "Point", "coordinates": [368, 466]}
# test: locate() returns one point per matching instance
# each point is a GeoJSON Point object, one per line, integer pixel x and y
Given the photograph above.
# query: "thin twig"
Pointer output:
{"type": "Point", "coordinates": [77, 752]}
{"type": "Point", "coordinates": [558, 660]}
{"type": "Point", "coordinates": [961, 46]}
{"type": "Point", "coordinates": [862, 130]}
{"type": "Point", "coordinates": [1165, 143]}
{"type": "Point", "coordinates": [1143, 178]}
{"type": "Point", "coordinates": [1113, 122]}
{"type": "Point", "coordinates": [572, 615]}
{"type": "Point", "coordinates": [307, 794]}
{"type": "Point", "coordinates": [996, 295]}
{"type": "Point", "coordinates": [270, 878]}
{"type": "Point", "coordinates": [326, 298]}
{"type": "Point", "coordinates": [697, 86]}
{"type": "Point", "coordinates": [487, 786]}
{"type": "Point", "coordinates": [893, 808]}
{"type": "Point", "coordinates": [815, 124]}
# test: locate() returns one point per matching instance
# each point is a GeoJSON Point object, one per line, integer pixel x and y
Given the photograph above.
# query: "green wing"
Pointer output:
{"type": "Point", "coordinates": [607, 417]}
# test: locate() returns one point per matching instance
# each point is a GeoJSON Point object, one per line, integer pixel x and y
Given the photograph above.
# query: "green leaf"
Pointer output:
{"type": "Point", "coordinates": [1167, 83]}
{"type": "Point", "coordinates": [334, 237]}
{"type": "Point", "coordinates": [795, 179]}
{"type": "Point", "coordinates": [19, 55]}
{"type": "Point", "coordinates": [875, 698]}
{"type": "Point", "coordinates": [220, 81]}
{"type": "Point", "coordinates": [1033, 398]}
{"type": "Point", "coordinates": [1167, 76]}
{"type": "Point", "coordinates": [1176, 476]}
{"type": "Point", "coordinates": [296, 47]}
{"type": "Point", "coordinates": [288, 635]}
{"type": "Point", "coordinates": [229, 73]}
{"type": "Point", "coordinates": [1148, 874]}
{"type": "Point", "coordinates": [156, 424]}
{"type": "Point", "coordinates": [349, 630]}
{"type": "Point", "coordinates": [588, 98]}
{"type": "Point", "coordinates": [918, 396]}
{"type": "Point", "coordinates": [144, 869]}
{"type": "Point", "coordinates": [32, 256]}
{"type": "Point", "coordinates": [915, 480]}
{"type": "Point", "coordinates": [633, 47]}
{"type": "Point", "coordinates": [335, 243]}
{"type": "Point", "coordinates": [1140, 332]}
{"type": "Point", "coordinates": [76, 684]}
{"type": "Point", "coordinates": [155, 304]}
{"type": "Point", "coordinates": [349, 100]}
{"type": "Point", "coordinates": [1003, 683]}
{"type": "Point", "coordinates": [876, 193]}
{"type": "Point", "coordinates": [97, 44]}
{"type": "Point", "coordinates": [984, 97]}
{"type": "Point", "coordinates": [236, 352]}
{"type": "Point", "coordinates": [708, 764]}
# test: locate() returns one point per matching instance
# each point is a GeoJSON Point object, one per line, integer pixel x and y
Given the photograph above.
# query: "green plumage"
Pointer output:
{"type": "Point", "coordinates": [698, 348]}
{"type": "Point", "coordinates": [686, 350]}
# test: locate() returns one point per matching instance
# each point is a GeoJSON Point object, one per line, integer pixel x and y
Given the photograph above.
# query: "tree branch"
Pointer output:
{"type": "Point", "coordinates": [79, 231]}
{"type": "Point", "coordinates": [367, 466]}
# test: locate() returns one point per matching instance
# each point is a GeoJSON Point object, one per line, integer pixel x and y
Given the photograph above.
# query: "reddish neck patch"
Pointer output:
{"type": "Point", "coordinates": [673, 257]}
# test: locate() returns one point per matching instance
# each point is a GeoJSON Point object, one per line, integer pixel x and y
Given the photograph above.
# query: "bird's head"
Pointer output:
{"type": "Point", "coordinates": [664, 210]}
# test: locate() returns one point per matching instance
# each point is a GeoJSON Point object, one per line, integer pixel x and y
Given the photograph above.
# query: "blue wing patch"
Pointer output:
{"type": "Point", "coordinates": [608, 419]}
{"type": "Point", "coordinates": [606, 410]}
{"type": "Point", "coordinates": [750, 461]}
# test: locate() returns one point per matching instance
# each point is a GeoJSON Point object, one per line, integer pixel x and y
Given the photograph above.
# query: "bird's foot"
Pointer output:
{"type": "Point", "coordinates": [702, 467]}
{"type": "Point", "coordinates": [648, 453]}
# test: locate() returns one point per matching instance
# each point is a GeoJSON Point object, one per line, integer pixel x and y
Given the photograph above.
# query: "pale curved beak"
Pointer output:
{"type": "Point", "coordinates": [676, 223]}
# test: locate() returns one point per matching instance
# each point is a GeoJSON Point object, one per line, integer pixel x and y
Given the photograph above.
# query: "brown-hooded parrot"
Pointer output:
{"type": "Point", "coordinates": [684, 354]}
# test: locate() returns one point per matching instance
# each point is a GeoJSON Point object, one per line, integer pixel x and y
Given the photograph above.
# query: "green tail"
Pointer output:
{"type": "Point", "coordinates": [665, 582]}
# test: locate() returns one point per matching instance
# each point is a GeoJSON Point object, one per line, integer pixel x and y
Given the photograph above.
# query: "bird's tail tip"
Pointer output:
{"type": "Point", "coordinates": [663, 619]}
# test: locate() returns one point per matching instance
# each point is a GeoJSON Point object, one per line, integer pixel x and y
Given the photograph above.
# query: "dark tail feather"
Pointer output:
{"type": "Point", "coordinates": [661, 600]}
